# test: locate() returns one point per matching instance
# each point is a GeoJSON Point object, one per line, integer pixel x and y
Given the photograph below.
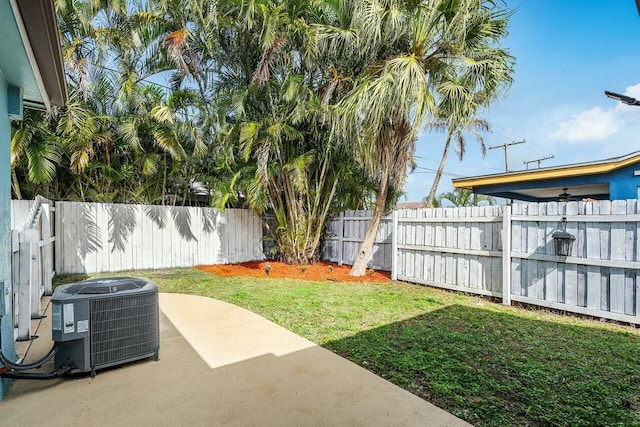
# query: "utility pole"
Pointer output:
{"type": "Point", "coordinates": [537, 160]}
{"type": "Point", "coordinates": [506, 151]}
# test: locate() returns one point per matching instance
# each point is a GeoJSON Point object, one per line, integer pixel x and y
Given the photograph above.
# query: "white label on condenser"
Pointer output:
{"type": "Point", "coordinates": [56, 317]}
{"type": "Point", "coordinates": [69, 321]}
{"type": "Point", "coordinates": [82, 326]}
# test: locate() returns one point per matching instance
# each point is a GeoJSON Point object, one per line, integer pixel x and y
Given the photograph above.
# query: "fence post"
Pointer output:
{"type": "Point", "coordinates": [47, 250]}
{"type": "Point", "coordinates": [394, 245]}
{"type": "Point", "coordinates": [57, 231]}
{"type": "Point", "coordinates": [32, 236]}
{"type": "Point", "coordinates": [340, 236]}
{"type": "Point", "coordinates": [24, 291]}
{"type": "Point", "coordinates": [506, 255]}
{"type": "Point", "coordinates": [15, 274]}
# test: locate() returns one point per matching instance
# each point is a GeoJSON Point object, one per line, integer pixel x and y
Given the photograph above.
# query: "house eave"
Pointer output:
{"type": "Point", "coordinates": [36, 20]}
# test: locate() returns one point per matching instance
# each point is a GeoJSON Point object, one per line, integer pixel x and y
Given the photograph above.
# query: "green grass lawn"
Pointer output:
{"type": "Point", "coordinates": [488, 364]}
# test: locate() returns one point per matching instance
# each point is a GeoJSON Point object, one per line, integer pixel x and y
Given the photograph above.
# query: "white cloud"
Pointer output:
{"type": "Point", "coordinates": [589, 125]}
{"type": "Point", "coordinates": [597, 124]}
{"type": "Point", "coordinates": [633, 91]}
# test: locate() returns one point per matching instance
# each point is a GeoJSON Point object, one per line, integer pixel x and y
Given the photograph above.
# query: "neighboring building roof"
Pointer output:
{"type": "Point", "coordinates": [577, 169]}
{"type": "Point", "coordinates": [585, 179]}
{"type": "Point", "coordinates": [30, 54]}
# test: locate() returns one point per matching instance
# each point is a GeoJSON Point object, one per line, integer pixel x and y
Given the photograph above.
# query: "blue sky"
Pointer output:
{"type": "Point", "coordinates": [568, 52]}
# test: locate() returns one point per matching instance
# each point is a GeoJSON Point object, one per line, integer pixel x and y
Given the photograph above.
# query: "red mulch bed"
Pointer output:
{"type": "Point", "coordinates": [316, 272]}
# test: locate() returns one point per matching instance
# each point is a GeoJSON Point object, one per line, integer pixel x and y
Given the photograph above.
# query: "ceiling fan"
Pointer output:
{"type": "Point", "coordinates": [564, 196]}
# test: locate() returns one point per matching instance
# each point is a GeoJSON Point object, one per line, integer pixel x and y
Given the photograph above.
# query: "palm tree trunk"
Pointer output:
{"type": "Point", "coordinates": [436, 179]}
{"type": "Point", "coordinates": [15, 184]}
{"type": "Point", "coordinates": [360, 264]}
{"type": "Point", "coordinates": [164, 178]}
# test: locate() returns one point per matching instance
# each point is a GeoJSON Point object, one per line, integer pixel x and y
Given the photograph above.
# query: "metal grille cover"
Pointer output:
{"type": "Point", "coordinates": [123, 328]}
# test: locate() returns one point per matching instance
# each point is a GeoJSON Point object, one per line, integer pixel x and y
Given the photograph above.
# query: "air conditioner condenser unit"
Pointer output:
{"type": "Point", "coordinates": [105, 322]}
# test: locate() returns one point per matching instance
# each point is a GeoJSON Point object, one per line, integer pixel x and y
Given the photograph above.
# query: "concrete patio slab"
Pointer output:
{"type": "Point", "coordinates": [222, 333]}
{"type": "Point", "coordinates": [219, 365]}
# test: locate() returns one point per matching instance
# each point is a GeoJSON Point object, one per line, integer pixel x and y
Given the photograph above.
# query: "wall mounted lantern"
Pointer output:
{"type": "Point", "coordinates": [563, 241]}
{"type": "Point", "coordinates": [564, 197]}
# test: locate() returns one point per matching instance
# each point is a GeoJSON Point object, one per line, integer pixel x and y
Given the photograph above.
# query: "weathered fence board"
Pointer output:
{"type": "Point", "coordinates": [23, 282]}
{"type": "Point", "coordinates": [100, 237]}
{"type": "Point", "coordinates": [19, 213]}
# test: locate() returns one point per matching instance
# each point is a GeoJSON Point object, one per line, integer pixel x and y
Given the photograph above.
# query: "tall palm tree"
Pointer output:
{"type": "Point", "coordinates": [461, 99]}
{"type": "Point", "coordinates": [281, 153]}
{"type": "Point", "coordinates": [456, 131]}
{"type": "Point", "coordinates": [390, 57]}
{"type": "Point", "coordinates": [257, 101]}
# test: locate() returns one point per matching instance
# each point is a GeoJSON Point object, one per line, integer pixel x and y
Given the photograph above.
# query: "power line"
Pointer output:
{"type": "Point", "coordinates": [466, 167]}
{"type": "Point", "coordinates": [428, 159]}
{"type": "Point", "coordinates": [512, 135]}
{"type": "Point", "coordinates": [428, 170]}
{"type": "Point", "coordinates": [508, 133]}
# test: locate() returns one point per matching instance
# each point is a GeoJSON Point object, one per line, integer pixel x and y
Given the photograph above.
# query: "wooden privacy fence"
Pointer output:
{"type": "Point", "coordinates": [501, 251]}
{"type": "Point", "coordinates": [346, 233]}
{"type": "Point", "coordinates": [508, 252]}
{"type": "Point", "coordinates": [101, 237]}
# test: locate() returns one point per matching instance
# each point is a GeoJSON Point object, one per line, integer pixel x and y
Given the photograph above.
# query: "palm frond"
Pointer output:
{"type": "Point", "coordinates": [166, 139]}
{"type": "Point", "coordinates": [43, 158]}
